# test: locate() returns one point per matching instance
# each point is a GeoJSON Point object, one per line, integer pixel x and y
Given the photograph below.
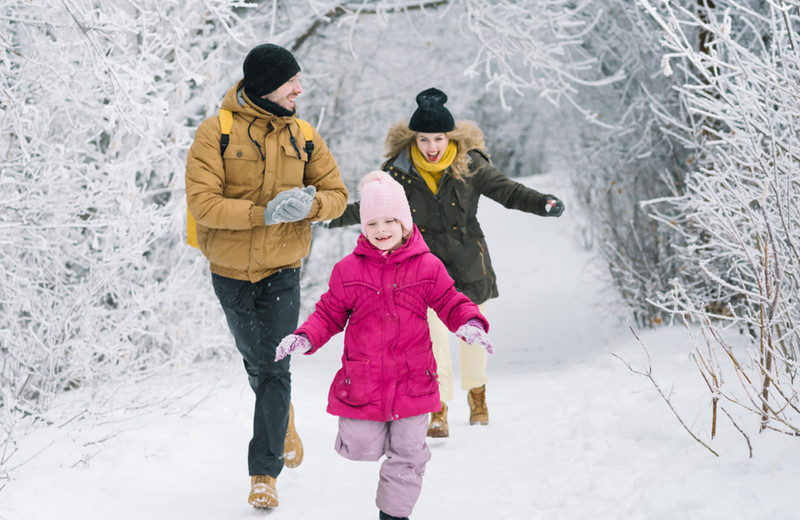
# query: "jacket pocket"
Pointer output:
{"type": "Point", "coordinates": [352, 383]}
{"type": "Point", "coordinates": [284, 244]}
{"type": "Point", "coordinates": [228, 248]}
{"type": "Point", "coordinates": [422, 377]}
{"type": "Point", "coordinates": [474, 263]}
{"type": "Point", "coordinates": [292, 168]}
{"type": "Point", "coordinates": [243, 167]}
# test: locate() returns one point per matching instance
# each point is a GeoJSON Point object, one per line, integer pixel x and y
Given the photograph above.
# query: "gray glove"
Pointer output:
{"type": "Point", "coordinates": [290, 205]}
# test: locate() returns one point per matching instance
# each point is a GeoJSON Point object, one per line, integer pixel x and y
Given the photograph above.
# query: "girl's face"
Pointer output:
{"type": "Point", "coordinates": [385, 233]}
{"type": "Point", "coordinates": [432, 146]}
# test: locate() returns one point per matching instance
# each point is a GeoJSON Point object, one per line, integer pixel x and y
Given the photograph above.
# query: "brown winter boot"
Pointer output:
{"type": "Point", "coordinates": [438, 426]}
{"type": "Point", "coordinates": [263, 493]}
{"type": "Point", "coordinates": [293, 446]}
{"type": "Point", "coordinates": [478, 413]}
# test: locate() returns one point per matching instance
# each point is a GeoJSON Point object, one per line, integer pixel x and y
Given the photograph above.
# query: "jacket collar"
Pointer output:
{"type": "Point", "coordinates": [237, 102]}
{"type": "Point", "coordinates": [263, 104]}
{"type": "Point", "coordinates": [403, 161]}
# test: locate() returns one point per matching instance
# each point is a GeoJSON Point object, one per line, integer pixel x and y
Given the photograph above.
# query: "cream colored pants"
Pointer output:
{"type": "Point", "coordinates": [473, 358]}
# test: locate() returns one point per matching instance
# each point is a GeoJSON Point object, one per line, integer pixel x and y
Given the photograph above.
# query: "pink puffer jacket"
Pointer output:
{"type": "Point", "coordinates": [388, 370]}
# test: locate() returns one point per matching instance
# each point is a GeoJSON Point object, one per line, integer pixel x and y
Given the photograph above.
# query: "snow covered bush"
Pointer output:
{"type": "Point", "coordinates": [686, 164]}
{"type": "Point", "coordinates": [624, 154]}
{"type": "Point", "coordinates": [738, 216]}
{"type": "Point", "coordinates": [97, 101]}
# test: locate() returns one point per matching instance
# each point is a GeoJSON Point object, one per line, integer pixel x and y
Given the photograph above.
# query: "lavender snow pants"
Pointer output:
{"type": "Point", "coordinates": [403, 443]}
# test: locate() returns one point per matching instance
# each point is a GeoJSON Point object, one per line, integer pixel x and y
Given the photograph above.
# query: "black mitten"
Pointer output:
{"type": "Point", "coordinates": [553, 207]}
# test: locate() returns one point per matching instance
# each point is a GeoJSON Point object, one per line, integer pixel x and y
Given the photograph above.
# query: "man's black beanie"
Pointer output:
{"type": "Point", "coordinates": [267, 67]}
{"type": "Point", "coordinates": [431, 117]}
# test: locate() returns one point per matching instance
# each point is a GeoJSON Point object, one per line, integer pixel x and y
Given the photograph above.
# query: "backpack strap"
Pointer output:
{"type": "Point", "coordinates": [308, 135]}
{"type": "Point", "coordinates": [225, 127]}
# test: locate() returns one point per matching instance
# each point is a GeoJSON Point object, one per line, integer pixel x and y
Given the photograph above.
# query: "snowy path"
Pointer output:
{"type": "Point", "coordinates": [573, 434]}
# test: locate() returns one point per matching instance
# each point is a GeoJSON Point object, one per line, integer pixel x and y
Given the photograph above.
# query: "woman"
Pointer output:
{"type": "Point", "coordinates": [444, 169]}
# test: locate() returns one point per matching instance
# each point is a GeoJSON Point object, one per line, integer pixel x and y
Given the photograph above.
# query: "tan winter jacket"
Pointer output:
{"type": "Point", "coordinates": [228, 195]}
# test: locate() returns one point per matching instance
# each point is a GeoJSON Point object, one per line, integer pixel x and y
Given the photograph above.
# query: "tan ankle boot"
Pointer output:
{"type": "Point", "coordinates": [438, 426]}
{"type": "Point", "coordinates": [263, 493]}
{"type": "Point", "coordinates": [478, 413]}
{"type": "Point", "coordinates": [293, 446]}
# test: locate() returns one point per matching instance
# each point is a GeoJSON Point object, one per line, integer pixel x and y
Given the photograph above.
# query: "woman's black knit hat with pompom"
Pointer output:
{"type": "Point", "coordinates": [431, 115]}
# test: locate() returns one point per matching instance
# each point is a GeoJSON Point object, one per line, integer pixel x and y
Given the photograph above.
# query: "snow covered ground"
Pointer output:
{"type": "Point", "coordinates": [573, 433]}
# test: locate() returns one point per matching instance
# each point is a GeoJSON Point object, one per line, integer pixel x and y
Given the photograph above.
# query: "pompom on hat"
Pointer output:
{"type": "Point", "coordinates": [382, 196]}
{"type": "Point", "coordinates": [431, 116]}
{"type": "Point", "coordinates": [267, 67]}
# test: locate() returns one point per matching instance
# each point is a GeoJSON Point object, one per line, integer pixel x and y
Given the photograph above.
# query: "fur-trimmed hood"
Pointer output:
{"type": "Point", "coordinates": [466, 135]}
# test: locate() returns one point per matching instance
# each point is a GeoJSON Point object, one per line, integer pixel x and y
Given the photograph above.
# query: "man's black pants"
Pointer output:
{"type": "Point", "coordinates": [259, 315]}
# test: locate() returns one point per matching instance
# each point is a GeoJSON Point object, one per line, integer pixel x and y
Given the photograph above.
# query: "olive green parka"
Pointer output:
{"type": "Point", "coordinates": [227, 195]}
{"type": "Point", "coordinates": [448, 219]}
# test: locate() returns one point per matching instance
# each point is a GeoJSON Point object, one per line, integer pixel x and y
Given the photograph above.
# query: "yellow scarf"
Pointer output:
{"type": "Point", "coordinates": [432, 172]}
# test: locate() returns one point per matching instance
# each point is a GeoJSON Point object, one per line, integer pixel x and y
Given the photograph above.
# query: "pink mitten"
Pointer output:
{"type": "Point", "coordinates": [473, 334]}
{"type": "Point", "coordinates": [292, 344]}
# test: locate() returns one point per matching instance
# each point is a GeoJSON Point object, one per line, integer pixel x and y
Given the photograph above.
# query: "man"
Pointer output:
{"type": "Point", "coordinates": [253, 207]}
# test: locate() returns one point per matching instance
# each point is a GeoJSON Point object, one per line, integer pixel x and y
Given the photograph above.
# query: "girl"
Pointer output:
{"type": "Point", "coordinates": [388, 383]}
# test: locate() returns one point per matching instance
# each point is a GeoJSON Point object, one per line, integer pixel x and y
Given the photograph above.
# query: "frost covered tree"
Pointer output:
{"type": "Point", "coordinates": [95, 101]}
{"type": "Point", "coordinates": [598, 64]}
{"type": "Point", "coordinates": [686, 162]}
{"type": "Point", "coordinates": [625, 155]}
{"type": "Point", "coordinates": [738, 216]}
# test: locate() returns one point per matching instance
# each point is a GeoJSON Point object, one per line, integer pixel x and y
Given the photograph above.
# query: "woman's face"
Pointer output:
{"type": "Point", "coordinates": [432, 146]}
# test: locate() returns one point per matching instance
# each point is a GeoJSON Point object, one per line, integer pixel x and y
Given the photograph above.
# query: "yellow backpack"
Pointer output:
{"type": "Point", "coordinates": [225, 126]}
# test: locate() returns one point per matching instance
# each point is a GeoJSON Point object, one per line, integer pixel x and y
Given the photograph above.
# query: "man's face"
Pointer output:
{"type": "Point", "coordinates": [285, 94]}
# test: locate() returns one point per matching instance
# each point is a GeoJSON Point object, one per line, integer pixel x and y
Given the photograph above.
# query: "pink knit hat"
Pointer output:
{"type": "Point", "coordinates": [382, 196]}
